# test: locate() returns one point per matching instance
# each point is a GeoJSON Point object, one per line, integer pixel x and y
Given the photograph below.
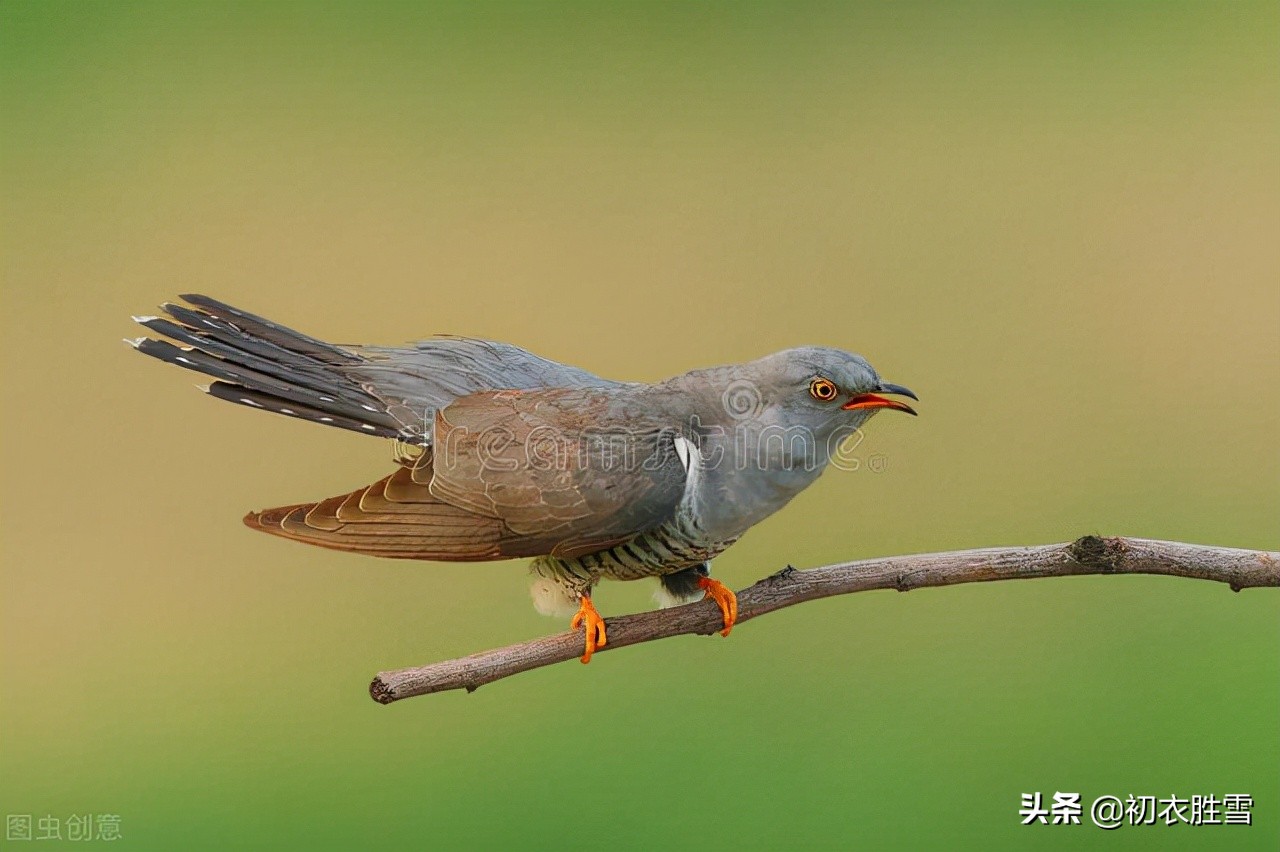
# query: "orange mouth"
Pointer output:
{"type": "Point", "coordinates": [871, 400]}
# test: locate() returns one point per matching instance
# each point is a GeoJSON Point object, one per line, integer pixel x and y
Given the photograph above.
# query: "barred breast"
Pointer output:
{"type": "Point", "coordinates": [680, 543]}
{"type": "Point", "coordinates": [666, 549]}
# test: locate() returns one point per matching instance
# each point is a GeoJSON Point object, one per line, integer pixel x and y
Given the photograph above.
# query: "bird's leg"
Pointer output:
{"type": "Point", "coordinates": [725, 598]}
{"type": "Point", "coordinates": [681, 587]}
{"type": "Point", "coordinates": [592, 625]}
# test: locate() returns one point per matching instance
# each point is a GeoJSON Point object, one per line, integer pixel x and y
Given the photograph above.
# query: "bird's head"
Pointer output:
{"type": "Point", "coordinates": [821, 388]}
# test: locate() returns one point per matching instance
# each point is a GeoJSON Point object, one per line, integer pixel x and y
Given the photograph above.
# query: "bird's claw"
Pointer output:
{"type": "Point", "coordinates": [725, 598]}
{"type": "Point", "coordinates": [592, 626]}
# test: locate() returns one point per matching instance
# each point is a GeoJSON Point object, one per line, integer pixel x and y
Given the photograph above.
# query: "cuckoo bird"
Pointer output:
{"type": "Point", "coordinates": [504, 454]}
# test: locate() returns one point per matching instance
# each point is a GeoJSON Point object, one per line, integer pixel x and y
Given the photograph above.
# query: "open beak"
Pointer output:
{"type": "Point", "coordinates": [871, 400]}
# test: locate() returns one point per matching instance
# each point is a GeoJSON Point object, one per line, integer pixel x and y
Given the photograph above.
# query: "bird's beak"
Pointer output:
{"type": "Point", "coordinates": [871, 400]}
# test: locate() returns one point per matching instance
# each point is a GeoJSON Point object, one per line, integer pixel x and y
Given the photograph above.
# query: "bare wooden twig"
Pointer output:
{"type": "Point", "coordinates": [1241, 569]}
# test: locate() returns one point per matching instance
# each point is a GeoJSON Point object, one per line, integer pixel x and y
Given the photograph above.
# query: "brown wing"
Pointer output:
{"type": "Point", "coordinates": [540, 463]}
{"type": "Point", "coordinates": [510, 474]}
{"type": "Point", "coordinates": [396, 517]}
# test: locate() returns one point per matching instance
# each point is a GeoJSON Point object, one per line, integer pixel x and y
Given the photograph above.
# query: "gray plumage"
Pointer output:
{"type": "Point", "coordinates": [522, 456]}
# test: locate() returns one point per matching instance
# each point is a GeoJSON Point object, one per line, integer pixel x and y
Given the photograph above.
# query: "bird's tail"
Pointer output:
{"type": "Point", "coordinates": [261, 364]}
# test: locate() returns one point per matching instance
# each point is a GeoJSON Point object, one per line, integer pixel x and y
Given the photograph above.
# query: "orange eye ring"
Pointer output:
{"type": "Point", "coordinates": [823, 390]}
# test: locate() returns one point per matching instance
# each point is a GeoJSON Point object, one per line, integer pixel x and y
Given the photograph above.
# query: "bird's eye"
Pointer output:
{"type": "Point", "coordinates": [822, 389]}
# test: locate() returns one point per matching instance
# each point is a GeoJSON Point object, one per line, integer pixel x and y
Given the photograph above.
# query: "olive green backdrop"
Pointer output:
{"type": "Point", "coordinates": [1057, 222]}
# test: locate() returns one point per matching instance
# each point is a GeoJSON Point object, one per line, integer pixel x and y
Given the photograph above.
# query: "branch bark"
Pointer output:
{"type": "Point", "coordinates": [1241, 569]}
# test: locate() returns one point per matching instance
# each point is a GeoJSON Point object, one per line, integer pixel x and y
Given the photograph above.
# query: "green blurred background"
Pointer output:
{"type": "Point", "coordinates": [1056, 221]}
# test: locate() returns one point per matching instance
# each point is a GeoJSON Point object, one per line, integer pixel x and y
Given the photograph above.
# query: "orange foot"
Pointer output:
{"type": "Point", "coordinates": [592, 625]}
{"type": "Point", "coordinates": [724, 596]}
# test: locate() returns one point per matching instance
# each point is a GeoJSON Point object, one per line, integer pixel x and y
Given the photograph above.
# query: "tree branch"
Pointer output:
{"type": "Point", "coordinates": [1241, 569]}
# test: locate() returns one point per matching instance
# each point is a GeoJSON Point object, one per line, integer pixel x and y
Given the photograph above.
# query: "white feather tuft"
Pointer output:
{"type": "Point", "coordinates": [684, 448]}
{"type": "Point", "coordinates": [551, 598]}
